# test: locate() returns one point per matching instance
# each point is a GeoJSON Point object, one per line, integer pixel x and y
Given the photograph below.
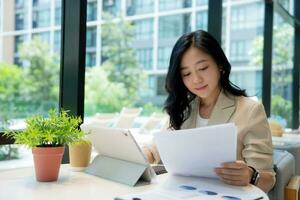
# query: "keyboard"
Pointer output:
{"type": "Point", "coordinates": [159, 169]}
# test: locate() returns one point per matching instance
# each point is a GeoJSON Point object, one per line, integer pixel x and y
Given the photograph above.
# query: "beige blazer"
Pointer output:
{"type": "Point", "coordinates": [254, 144]}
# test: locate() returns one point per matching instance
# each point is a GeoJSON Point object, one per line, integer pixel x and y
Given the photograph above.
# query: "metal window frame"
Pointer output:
{"type": "Point", "coordinates": [267, 57]}
{"type": "Point", "coordinates": [73, 46]}
{"type": "Point", "coordinates": [296, 67]}
{"type": "Point", "coordinates": [215, 19]}
{"type": "Point", "coordinates": [4, 140]}
{"type": "Point", "coordinates": [270, 6]}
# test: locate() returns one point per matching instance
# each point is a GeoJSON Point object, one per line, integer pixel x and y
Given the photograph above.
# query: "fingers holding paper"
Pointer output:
{"type": "Point", "coordinates": [235, 173]}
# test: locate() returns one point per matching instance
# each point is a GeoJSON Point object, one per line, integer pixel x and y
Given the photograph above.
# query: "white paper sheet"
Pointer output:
{"type": "Point", "coordinates": [195, 188]}
{"type": "Point", "coordinates": [196, 152]}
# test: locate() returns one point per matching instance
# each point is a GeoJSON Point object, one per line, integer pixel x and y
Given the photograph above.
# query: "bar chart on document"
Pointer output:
{"type": "Point", "coordinates": [195, 188]}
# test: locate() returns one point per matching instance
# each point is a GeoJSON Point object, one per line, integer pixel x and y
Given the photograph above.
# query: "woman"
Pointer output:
{"type": "Point", "coordinates": [200, 94]}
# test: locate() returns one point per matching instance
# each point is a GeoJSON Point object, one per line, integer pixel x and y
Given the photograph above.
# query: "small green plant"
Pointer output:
{"type": "Point", "coordinates": [58, 129]}
{"type": "Point", "coordinates": [82, 141]}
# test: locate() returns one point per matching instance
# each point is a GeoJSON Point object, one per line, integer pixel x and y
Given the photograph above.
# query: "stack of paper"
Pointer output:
{"type": "Point", "coordinates": [191, 155]}
{"type": "Point", "coordinates": [196, 152]}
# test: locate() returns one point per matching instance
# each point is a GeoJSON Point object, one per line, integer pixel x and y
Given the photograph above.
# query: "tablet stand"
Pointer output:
{"type": "Point", "coordinates": [121, 171]}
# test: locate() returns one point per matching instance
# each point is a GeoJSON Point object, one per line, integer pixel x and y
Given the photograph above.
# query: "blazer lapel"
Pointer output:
{"type": "Point", "coordinates": [223, 110]}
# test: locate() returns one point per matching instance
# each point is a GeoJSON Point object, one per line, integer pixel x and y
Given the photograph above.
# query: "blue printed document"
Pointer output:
{"type": "Point", "coordinates": [195, 188]}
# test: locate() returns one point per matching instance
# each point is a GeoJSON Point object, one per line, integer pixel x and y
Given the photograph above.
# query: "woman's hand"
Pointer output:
{"type": "Point", "coordinates": [235, 173]}
{"type": "Point", "coordinates": [148, 155]}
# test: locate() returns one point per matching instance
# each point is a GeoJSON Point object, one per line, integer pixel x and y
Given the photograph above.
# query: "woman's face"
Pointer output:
{"type": "Point", "coordinates": [200, 73]}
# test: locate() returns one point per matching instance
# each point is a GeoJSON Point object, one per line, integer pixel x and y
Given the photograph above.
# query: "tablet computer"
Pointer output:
{"type": "Point", "coordinates": [118, 144]}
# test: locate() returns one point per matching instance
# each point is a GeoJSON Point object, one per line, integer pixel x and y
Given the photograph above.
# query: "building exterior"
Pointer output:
{"type": "Point", "coordinates": [158, 24]}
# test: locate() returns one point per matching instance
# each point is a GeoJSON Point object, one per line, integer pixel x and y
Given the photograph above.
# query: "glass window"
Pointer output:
{"type": "Point", "coordinates": [19, 21]}
{"type": "Point", "coordinates": [150, 87]}
{"type": "Point", "coordinates": [201, 20]}
{"type": "Point", "coordinates": [174, 26]}
{"type": "Point", "coordinates": [40, 13]}
{"type": "Point", "coordinates": [242, 43]}
{"type": "Point", "coordinates": [145, 57]}
{"type": "Point", "coordinates": [19, 4]}
{"type": "Point", "coordinates": [57, 12]}
{"type": "Point", "coordinates": [43, 36]}
{"type": "Point", "coordinates": [16, 15]}
{"type": "Point", "coordinates": [174, 4]}
{"type": "Point", "coordinates": [239, 50]}
{"type": "Point", "coordinates": [57, 41]}
{"type": "Point", "coordinates": [41, 3]}
{"type": "Point", "coordinates": [247, 16]}
{"type": "Point", "coordinates": [282, 71]}
{"type": "Point", "coordinates": [164, 54]}
{"type": "Point", "coordinates": [92, 10]}
{"type": "Point", "coordinates": [144, 29]}
{"type": "Point", "coordinates": [170, 28]}
{"type": "Point", "coordinates": [91, 35]}
{"type": "Point", "coordinates": [287, 5]}
{"type": "Point", "coordinates": [29, 80]}
{"type": "Point", "coordinates": [160, 90]}
{"type": "Point", "coordinates": [121, 78]}
{"type": "Point", "coordinates": [112, 7]}
{"type": "Point", "coordinates": [40, 18]}
{"type": "Point", "coordinates": [90, 59]}
{"type": "Point", "coordinates": [135, 7]}
{"type": "Point", "coordinates": [19, 40]}
{"type": "Point", "coordinates": [202, 2]}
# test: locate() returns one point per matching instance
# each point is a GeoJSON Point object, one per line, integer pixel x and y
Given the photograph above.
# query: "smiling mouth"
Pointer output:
{"type": "Point", "coordinates": [201, 88]}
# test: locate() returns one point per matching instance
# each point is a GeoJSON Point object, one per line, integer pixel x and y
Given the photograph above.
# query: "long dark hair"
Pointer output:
{"type": "Point", "coordinates": [177, 104]}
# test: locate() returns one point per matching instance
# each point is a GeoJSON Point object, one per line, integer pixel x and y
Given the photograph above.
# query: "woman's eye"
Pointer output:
{"type": "Point", "coordinates": [187, 74]}
{"type": "Point", "coordinates": [202, 69]}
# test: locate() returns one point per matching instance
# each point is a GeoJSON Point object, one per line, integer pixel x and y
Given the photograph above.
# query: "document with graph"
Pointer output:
{"type": "Point", "coordinates": [190, 157]}
{"type": "Point", "coordinates": [197, 188]}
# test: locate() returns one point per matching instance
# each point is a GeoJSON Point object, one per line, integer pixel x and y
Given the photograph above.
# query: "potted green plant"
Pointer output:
{"type": "Point", "coordinates": [47, 137]}
{"type": "Point", "coordinates": [80, 154]}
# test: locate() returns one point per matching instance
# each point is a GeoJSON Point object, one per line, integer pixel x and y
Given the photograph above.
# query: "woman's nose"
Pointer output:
{"type": "Point", "coordinates": [197, 78]}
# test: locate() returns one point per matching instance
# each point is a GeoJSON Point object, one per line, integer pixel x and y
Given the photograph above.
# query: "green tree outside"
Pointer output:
{"type": "Point", "coordinates": [117, 39]}
{"type": "Point", "coordinates": [281, 68]}
{"type": "Point", "coordinates": [103, 95]}
{"type": "Point", "coordinates": [11, 82]}
{"type": "Point", "coordinates": [10, 95]}
{"type": "Point", "coordinates": [41, 76]}
{"type": "Point", "coordinates": [27, 90]}
{"type": "Point", "coordinates": [116, 83]}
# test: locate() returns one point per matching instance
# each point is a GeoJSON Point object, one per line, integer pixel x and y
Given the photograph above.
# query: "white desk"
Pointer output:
{"type": "Point", "coordinates": [21, 184]}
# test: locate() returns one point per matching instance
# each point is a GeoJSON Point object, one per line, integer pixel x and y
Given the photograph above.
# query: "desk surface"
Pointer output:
{"type": "Point", "coordinates": [21, 184]}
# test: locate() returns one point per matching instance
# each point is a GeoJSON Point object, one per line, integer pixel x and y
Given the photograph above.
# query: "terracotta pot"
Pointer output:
{"type": "Point", "coordinates": [80, 155]}
{"type": "Point", "coordinates": [47, 162]}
